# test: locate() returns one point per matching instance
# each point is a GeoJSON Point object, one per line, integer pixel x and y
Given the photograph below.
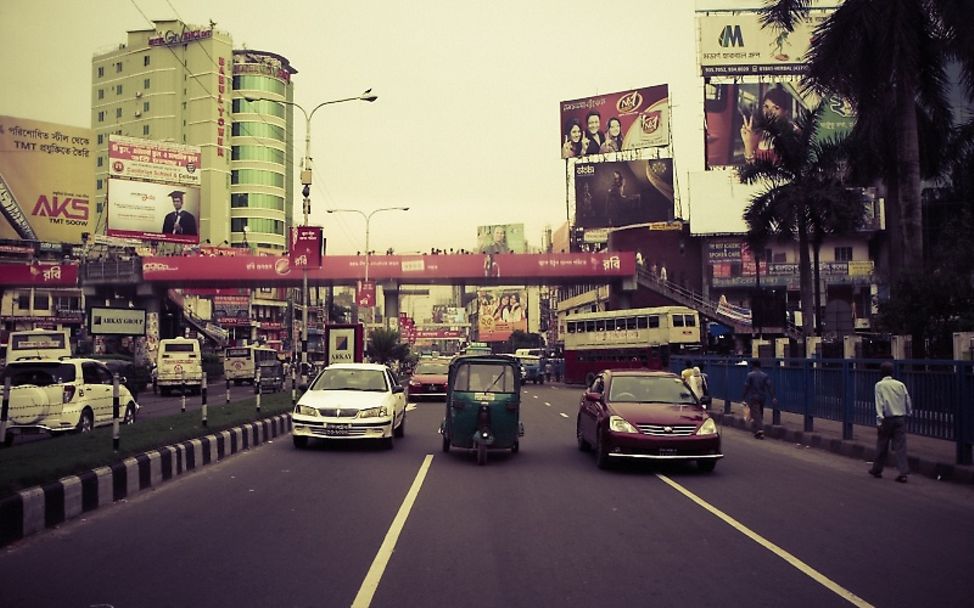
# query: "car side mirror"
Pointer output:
{"type": "Point", "coordinates": [593, 396]}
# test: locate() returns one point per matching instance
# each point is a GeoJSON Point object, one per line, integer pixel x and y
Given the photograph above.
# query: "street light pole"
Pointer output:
{"type": "Point", "coordinates": [306, 206]}
{"type": "Point", "coordinates": [368, 222]}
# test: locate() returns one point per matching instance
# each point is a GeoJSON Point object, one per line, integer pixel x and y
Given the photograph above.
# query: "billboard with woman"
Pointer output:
{"type": "Point", "coordinates": [501, 312]}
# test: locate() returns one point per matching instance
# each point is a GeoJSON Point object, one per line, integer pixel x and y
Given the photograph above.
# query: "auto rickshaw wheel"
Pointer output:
{"type": "Point", "coordinates": [481, 453]}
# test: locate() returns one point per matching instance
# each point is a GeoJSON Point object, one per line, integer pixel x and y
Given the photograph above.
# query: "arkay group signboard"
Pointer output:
{"type": "Point", "coordinates": [116, 321]}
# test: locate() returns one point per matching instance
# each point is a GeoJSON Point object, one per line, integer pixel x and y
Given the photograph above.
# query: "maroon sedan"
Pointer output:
{"type": "Point", "coordinates": [646, 414]}
{"type": "Point", "coordinates": [428, 379]}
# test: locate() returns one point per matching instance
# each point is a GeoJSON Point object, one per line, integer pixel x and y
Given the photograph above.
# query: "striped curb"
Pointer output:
{"type": "Point", "coordinates": [34, 509]}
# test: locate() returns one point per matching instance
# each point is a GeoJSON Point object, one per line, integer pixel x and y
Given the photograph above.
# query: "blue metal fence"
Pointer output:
{"type": "Point", "coordinates": [942, 392]}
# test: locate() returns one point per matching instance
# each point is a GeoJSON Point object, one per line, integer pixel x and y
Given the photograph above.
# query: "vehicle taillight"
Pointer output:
{"type": "Point", "coordinates": [68, 394]}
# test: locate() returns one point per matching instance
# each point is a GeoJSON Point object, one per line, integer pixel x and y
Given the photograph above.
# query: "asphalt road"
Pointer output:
{"type": "Point", "coordinates": [776, 524]}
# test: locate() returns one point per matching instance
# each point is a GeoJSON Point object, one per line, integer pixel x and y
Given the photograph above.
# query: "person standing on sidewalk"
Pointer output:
{"type": "Point", "coordinates": [757, 390]}
{"type": "Point", "coordinates": [893, 405]}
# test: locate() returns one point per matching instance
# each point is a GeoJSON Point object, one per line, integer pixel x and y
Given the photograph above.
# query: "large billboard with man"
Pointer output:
{"type": "Point", "coordinates": [627, 120]}
{"type": "Point", "coordinates": [153, 190]}
{"type": "Point", "coordinates": [501, 238]}
{"type": "Point", "coordinates": [623, 193]}
{"type": "Point", "coordinates": [46, 181]}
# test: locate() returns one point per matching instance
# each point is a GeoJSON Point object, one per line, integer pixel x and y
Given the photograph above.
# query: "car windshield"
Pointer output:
{"type": "Point", "coordinates": [648, 389]}
{"type": "Point", "coordinates": [484, 378]}
{"type": "Point", "coordinates": [39, 374]}
{"type": "Point", "coordinates": [432, 367]}
{"type": "Point", "coordinates": [350, 380]}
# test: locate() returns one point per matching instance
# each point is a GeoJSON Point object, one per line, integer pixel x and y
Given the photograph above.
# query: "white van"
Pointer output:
{"type": "Point", "coordinates": [179, 362]}
{"type": "Point", "coordinates": [38, 344]}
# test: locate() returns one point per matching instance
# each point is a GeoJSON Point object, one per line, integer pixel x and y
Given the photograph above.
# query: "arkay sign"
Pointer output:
{"type": "Point", "coordinates": [116, 321]}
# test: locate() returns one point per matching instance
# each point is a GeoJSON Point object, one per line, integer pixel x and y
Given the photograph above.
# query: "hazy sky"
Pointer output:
{"type": "Point", "coordinates": [466, 127]}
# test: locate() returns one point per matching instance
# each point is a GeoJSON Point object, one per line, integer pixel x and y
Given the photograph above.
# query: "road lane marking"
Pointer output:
{"type": "Point", "coordinates": [547, 403]}
{"type": "Point", "coordinates": [535, 396]}
{"type": "Point", "coordinates": [410, 407]}
{"type": "Point", "coordinates": [563, 414]}
{"type": "Point", "coordinates": [798, 564]}
{"type": "Point", "coordinates": [366, 592]}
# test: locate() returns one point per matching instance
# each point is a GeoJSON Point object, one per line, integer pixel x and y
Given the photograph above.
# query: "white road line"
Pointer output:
{"type": "Point", "coordinates": [363, 598]}
{"type": "Point", "coordinates": [410, 407]}
{"type": "Point", "coordinates": [535, 396]}
{"type": "Point", "coordinates": [547, 403]}
{"type": "Point", "coordinates": [801, 566]}
{"type": "Point", "coordinates": [563, 414]}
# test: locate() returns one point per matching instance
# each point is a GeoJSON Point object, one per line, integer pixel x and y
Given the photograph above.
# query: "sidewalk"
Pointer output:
{"type": "Point", "coordinates": [929, 457]}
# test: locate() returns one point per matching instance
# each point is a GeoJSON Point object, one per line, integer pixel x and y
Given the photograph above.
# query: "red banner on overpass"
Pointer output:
{"type": "Point", "coordinates": [39, 275]}
{"type": "Point", "coordinates": [497, 268]}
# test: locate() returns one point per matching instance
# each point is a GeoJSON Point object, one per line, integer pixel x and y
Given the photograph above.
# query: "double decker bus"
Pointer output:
{"type": "Point", "coordinates": [240, 362]}
{"type": "Point", "coordinates": [628, 339]}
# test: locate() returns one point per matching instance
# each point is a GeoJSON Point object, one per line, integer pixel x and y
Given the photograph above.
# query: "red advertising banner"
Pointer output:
{"type": "Point", "coordinates": [510, 267]}
{"type": "Point", "coordinates": [365, 293]}
{"type": "Point", "coordinates": [626, 120]}
{"type": "Point", "coordinates": [623, 193]}
{"type": "Point", "coordinates": [153, 161]}
{"type": "Point", "coordinates": [307, 247]}
{"type": "Point", "coordinates": [39, 275]}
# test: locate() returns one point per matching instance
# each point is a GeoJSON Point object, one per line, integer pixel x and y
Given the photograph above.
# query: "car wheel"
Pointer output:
{"type": "Point", "coordinates": [706, 465]}
{"type": "Point", "coordinates": [583, 446]}
{"type": "Point", "coordinates": [8, 440]}
{"type": "Point", "coordinates": [481, 453]}
{"type": "Point", "coordinates": [400, 430]}
{"type": "Point", "coordinates": [300, 442]}
{"type": "Point", "coordinates": [87, 422]}
{"type": "Point", "coordinates": [446, 444]}
{"type": "Point", "coordinates": [516, 447]}
{"type": "Point", "coordinates": [601, 453]}
{"type": "Point", "coordinates": [129, 414]}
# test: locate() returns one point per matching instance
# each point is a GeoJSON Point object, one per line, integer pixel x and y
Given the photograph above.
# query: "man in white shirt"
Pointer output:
{"type": "Point", "coordinates": [893, 405]}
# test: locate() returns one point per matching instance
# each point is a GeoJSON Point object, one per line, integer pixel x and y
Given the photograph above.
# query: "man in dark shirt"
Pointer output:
{"type": "Point", "coordinates": [179, 221]}
{"type": "Point", "coordinates": [757, 391]}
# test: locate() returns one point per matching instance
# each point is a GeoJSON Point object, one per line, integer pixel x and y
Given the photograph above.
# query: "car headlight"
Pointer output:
{"type": "Point", "coordinates": [709, 427]}
{"type": "Point", "coordinates": [374, 412]}
{"type": "Point", "coordinates": [618, 424]}
{"type": "Point", "coordinates": [305, 410]}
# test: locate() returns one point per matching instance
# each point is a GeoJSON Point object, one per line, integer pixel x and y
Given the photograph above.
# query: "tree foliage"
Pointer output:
{"type": "Point", "coordinates": [385, 346]}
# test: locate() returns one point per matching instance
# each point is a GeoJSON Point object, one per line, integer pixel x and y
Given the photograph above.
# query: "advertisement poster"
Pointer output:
{"type": "Point", "coordinates": [736, 44]}
{"type": "Point", "coordinates": [501, 312]}
{"type": "Point", "coordinates": [47, 186]}
{"type": "Point", "coordinates": [153, 161]}
{"type": "Point", "coordinates": [307, 246]}
{"type": "Point", "coordinates": [159, 212]}
{"type": "Point", "coordinates": [623, 193]}
{"type": "Point", "coordinates": [116, 321]}
{"type": "Point", "coordinates": [735, 113]}
{"type": "Point", "coordinates": [231, 311]}
{"type": "Point", "coordinates": [627, 120]}
{"type": "Point", "coordinates": [365, 293]}
{"type": "Point", "coordinates": [501, 238]}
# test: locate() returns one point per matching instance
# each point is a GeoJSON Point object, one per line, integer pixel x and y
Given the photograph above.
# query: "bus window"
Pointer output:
{"type": "Point", "coordinates": [590, 326]}
{"type": "Point", "coordinates": [691, 321]}
{"type": "Point", "coordinates": [600, 325]}
{"type": "Point", "coordinates": [677, 320]}
{"type": "Point", "coordinates": [620, 324]}
{"type": "Point", "coordinates": [571, 327]}
{"type": "Point", "coordinates": [653, 321]}
{"type": "Point", "coordinates": [641, 323]}
{"type": "Point", "coordinates": [631, 323]}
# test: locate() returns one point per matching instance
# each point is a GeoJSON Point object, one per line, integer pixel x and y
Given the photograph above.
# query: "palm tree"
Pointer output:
{"type": "Point", "coordinates": [889, 60]}
{"type": "Point", "coordinates": [806, 195]}
{"type": "Point", "coordinates": [385, 346]}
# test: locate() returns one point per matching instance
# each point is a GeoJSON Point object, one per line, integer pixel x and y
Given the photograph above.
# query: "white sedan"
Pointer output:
{"type": "Point", "coordinates": [351, 401]}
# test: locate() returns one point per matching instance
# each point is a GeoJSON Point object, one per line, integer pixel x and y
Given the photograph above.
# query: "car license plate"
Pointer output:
{"type": "Point", "coordinates": [337, 429]}
{"type": "Point", "coordinates": [667, 451]}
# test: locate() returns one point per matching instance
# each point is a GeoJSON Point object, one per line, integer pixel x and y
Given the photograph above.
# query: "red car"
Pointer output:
{"type": "Point", "coordinates": [646, 414]}
{"type": "Point", "coordinates": [428, 379]}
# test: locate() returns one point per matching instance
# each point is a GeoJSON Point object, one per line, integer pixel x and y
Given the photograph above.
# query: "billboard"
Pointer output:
{"type": "Point", "coordinates": [158, 212]}
{"type": "Point", "coordinates": [231, 310]}
{"type": "Point", "coordinates": [500, 313]}
{"type": "Point", "coordinates": [46, 181]}
{"type": "Point", "coordinates": [623, 193]}
{"type": "Point", "coordinates": [627, 120]}
{"type": "Point", "coordinates": [116, 321]}
{"type": "Point", "coordinates": [307, 246]}
{"type": "Point", "coordinates": [735, 44]}
{"type": "Point", "coordinates": [153, 190]}
{"type": "Point", "coordinates": [501, 238]}
{"type": "Point", "coordinates": [734, 113]}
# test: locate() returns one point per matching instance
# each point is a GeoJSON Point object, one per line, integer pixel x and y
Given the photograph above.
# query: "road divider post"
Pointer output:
{"type": "Point", "coordinates": [115, 438]}
{"type": "Point", "coordinates": [203, 397]}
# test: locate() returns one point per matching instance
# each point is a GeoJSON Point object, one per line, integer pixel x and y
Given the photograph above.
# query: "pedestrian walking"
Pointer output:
{"type": "Point", "coordinates": [757, 390]}
{"type": "Point", "coordinates": [893, 405]}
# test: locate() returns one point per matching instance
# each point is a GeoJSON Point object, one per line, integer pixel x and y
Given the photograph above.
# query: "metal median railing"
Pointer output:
{"type": "Point", "coordinates": [842, 390]}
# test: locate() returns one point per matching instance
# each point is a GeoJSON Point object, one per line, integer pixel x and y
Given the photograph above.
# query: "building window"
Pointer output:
{"type": "Point", "coordinates": [101, 161]}
{"type": "Point", "coordinates": [146, 84]}
{"type": "Point", "coordinates": [118, 67]}
{"type": "Point", "coordinates": [101, 93]}
{"type": "Point", "coordinates": [101, 138]}
{"type": "Point", "coordinates": [145, 106]}
{"type": "Point", "coordinates": [98, 183]}
{"type": "Point", "coordinates": [118, 112]}
{"type": "Point", "coordinates": [145, 129]}
{"type": "Point", "coordinates": [145, 60]}
{"type": "Point", "coordinates": [118, 89]}
{"type": "Point", "coordinates": [42, 301]}
{"type": "Point", "coordinates": [843, 254]}
{"type": "Point", "coordinates": [23, 301]}
{"type": "Point", "coordinates": [101, 117]}
{"type": "Point", "coordinates": [101, 71]}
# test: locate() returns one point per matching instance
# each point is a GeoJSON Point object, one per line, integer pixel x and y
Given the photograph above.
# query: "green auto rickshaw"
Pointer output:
{"type": "Point", "coordinates": [483, 405]}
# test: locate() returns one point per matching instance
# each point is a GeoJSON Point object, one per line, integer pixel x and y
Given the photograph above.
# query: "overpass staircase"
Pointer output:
{"type": "Point", "coordinates": [212, 331]}
{"type": "Point", "coordinates": [735, 317]}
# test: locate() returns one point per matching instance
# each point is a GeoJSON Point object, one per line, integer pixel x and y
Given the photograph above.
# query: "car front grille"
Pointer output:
{"type": "Point", "coordinates": [338, 412]}
{"type": "Point", "coordinates": [663, 430]}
